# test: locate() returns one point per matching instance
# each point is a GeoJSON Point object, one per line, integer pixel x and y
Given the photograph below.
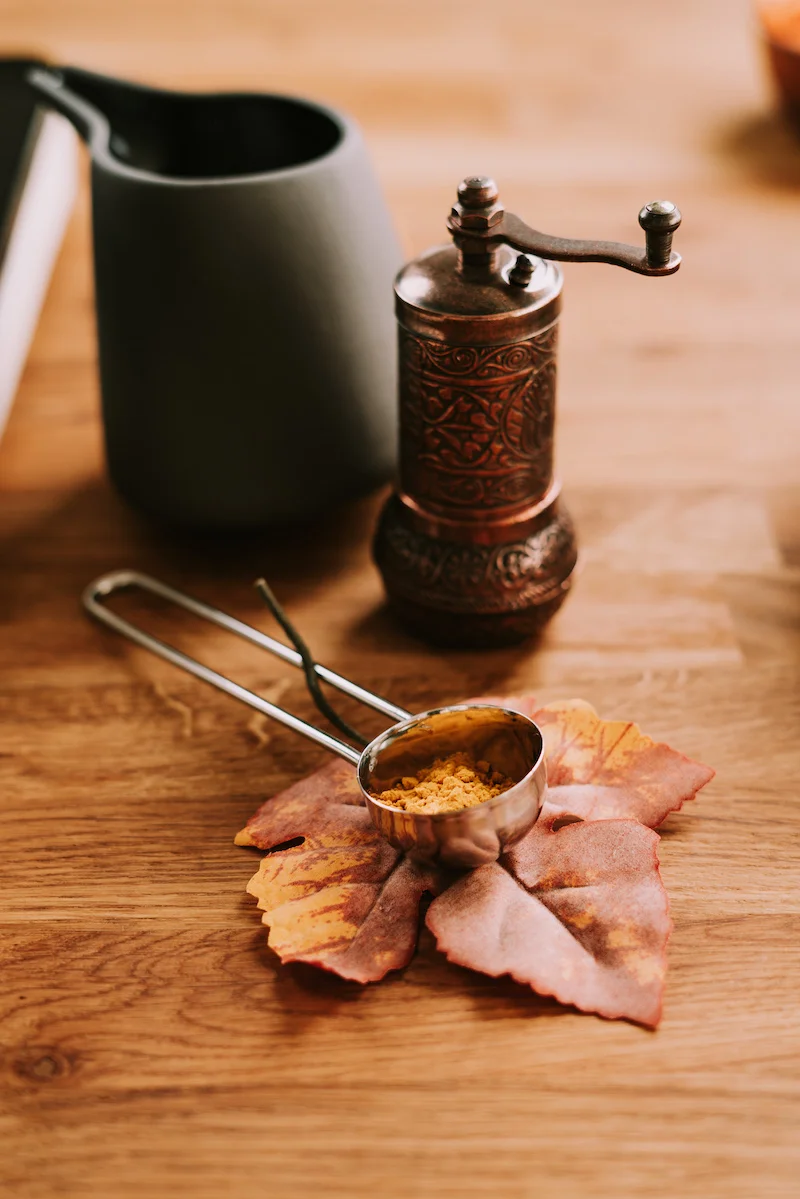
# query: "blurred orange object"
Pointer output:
{"type": "Point", "coordinates": [781, 25]}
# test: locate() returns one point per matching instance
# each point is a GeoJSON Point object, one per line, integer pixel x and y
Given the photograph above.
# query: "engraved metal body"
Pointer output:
{"type": "Point", "coordinates": [476, 546]}
{"type": "Point", "coordinates": [509, 741]}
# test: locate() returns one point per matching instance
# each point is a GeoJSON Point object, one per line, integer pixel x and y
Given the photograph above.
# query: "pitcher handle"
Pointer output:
{"type": "Point", "coordinates": [90, 123]}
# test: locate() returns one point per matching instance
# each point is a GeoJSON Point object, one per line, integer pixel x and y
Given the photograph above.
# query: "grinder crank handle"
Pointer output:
{"type": "Point", "coordinates": [479, 219]}
{"type": "Point", "coordinates": [659, 220]}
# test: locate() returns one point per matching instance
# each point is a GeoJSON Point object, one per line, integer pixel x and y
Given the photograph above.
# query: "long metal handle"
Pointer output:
{"type": "Point", "coordinates": [100, 589]}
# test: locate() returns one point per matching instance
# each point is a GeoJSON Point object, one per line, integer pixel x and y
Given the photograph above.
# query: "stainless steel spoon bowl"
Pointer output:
{"type": "Point", "coordinates": [510, 742]}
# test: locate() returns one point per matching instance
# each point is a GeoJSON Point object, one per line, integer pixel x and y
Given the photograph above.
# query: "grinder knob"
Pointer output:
{"type": "Point", "coordinates": [659, 219]}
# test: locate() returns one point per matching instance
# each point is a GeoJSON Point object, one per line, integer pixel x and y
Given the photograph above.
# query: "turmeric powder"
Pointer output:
{"type": "Point", "coordinates": [449, 785]}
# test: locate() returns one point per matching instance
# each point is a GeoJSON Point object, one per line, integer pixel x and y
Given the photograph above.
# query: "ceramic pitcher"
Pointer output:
{"type": "Point", "coordinates": [244, 261]}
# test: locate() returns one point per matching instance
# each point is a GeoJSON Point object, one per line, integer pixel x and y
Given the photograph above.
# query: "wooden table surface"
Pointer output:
{"type": "Point", "coordinates": [151, 1043]}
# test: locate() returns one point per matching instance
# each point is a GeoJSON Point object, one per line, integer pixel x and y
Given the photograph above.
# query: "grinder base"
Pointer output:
{"type": "Point", "coordinates": [468, 595]}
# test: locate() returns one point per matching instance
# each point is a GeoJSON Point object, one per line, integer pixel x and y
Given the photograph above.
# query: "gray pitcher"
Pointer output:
{"type": "Point", "coordinates": [244, 262]}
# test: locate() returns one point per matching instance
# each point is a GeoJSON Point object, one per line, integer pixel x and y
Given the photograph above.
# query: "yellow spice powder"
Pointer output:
{"type": "Point", "coordinates": [449, 785]}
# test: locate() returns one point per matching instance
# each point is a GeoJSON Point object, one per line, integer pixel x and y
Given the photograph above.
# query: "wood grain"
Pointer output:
{"type": "Point", "coordinates": [149, 1042]}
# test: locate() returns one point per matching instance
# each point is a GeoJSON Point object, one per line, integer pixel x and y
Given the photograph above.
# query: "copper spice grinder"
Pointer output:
{"type": "Point", "coordinates": [475, 545]}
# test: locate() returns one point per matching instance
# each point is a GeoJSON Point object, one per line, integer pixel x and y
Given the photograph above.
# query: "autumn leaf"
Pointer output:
{"type": "Point", "coordinates": [344, 900]}
{"type": "Point", "coordinates": [575, 910]}
{"type": "Point", "coordinates": [603, 769]}
{"type": "Point", "coordinates": [579, 913]}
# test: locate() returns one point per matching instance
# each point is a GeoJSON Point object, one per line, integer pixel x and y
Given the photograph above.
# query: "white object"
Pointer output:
{"type": "Point", "coordinates": [43, 211]}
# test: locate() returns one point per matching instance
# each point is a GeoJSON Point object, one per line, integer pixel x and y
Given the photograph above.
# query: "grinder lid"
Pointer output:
{"type": "Point", "coordinates": [438, 297]}
{"type": "Point", "coordinates": [477, 291]}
